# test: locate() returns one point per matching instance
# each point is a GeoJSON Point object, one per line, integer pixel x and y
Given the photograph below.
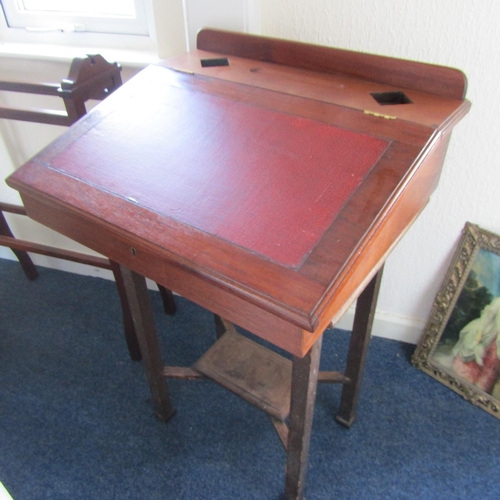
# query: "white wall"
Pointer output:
{"type": "Point", "coordinates": [463, 34]}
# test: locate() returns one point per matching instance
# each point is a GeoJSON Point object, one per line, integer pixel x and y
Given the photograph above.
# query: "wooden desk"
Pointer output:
{"type": "Point", "coordinates": [269, 189]}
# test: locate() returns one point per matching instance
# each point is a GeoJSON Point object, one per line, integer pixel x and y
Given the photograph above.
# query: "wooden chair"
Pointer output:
{"type": "Point", "coordinates": [91, 77]}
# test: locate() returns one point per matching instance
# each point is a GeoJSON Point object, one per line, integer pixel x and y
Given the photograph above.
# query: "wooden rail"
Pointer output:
{"type": "Point", "coordinates": [91, 77]}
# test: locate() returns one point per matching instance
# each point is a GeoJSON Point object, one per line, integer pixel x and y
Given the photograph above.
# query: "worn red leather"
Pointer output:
{"type": "Point", "coordinates": [255, 193]}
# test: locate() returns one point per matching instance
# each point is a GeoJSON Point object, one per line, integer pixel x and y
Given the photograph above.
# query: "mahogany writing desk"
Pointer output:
{"type": "Point", "coordinates": [266, 181]}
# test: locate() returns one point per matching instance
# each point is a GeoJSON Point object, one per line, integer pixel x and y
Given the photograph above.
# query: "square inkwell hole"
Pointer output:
{"type": "Point", "coordinates": [218, 61]}
{"type": "Point", "coordinates": [386, 98]}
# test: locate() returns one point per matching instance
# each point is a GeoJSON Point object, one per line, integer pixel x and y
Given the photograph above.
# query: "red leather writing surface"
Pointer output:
{"type": "Point", "coordinates": [267, 181]}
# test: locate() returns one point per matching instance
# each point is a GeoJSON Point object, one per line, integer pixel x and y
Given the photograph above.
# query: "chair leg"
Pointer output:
{"type": "Point", "coordinates": [128, 321]}
{"type": "Point", "coordinates": [358, 347]}
{"type": "Point", "coordinates": [24, 259]}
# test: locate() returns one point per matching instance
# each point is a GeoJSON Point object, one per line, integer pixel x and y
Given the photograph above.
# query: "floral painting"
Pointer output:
{"type": "Point", "coordinates": [461, 344]}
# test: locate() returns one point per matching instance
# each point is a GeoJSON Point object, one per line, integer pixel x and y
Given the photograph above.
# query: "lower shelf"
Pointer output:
{"type": "Point", "coordinates": [255, 373]}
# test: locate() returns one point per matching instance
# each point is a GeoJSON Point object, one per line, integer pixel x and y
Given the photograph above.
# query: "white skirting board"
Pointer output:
{"type": "Point", "coordinates": [386, 325]}
{"type": "Point", "coordinates": [389, 326]}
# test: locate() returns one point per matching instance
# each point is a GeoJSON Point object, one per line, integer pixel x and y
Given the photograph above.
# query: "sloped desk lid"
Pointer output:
{"type": "Point", "coordinates": [267, 181]}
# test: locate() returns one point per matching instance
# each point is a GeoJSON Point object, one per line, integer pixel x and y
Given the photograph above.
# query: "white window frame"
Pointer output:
{"type": "Point", "coordinates": [18, 17]}
{"type": "Point", "coordinates": [168, 35]}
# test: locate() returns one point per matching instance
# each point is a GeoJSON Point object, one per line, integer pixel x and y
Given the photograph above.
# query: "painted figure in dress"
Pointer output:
{"type": "Point", "coordinates": [476, 355]}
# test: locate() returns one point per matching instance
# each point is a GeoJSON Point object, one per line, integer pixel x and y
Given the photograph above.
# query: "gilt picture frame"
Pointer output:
{"type": "Point", "coordinates": [460, 345]}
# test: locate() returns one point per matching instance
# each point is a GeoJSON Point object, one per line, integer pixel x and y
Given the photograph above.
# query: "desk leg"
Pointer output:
{"type": "Point", "coordinates": [358, 347]}
{"type": "Point", "coordinates": [304, 382]}
{"type": "Point", "coordinates": [142, 316]}
{"type": "Point", "coordinates": [128, 322]}
{"type": "Point", "coordinates": [168, 300]}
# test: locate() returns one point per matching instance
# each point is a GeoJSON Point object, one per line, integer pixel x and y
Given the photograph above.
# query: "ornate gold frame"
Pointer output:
{"type": "Point", "coordinates": [473, 240]}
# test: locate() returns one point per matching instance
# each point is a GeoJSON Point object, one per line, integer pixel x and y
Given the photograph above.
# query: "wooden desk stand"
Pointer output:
{"type": "Point", "coordinates": [267, 181]}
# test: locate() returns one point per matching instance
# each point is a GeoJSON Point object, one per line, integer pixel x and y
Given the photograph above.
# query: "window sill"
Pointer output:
{"type": "Point", "coordinates": [129, 58]}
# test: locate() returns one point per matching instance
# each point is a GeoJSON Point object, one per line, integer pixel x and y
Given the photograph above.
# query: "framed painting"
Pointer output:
{"type": "Point", "coordinates": [460, 346]}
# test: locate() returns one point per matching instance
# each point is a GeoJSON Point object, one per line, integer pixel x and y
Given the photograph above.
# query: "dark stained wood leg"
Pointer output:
{"type": "Point", "coordinates": [304, 383]}
{"type": "Point", "coordinates": [128, 322]}
{"type": "Point", "coordinates": [360, 338]}
{"type": "Point", "coordinates": [281, 429]}
{"type": "Point", "coordinates": [222, 326]}
{"type": "Point", "coordinates": [24, 259]}
{"type": "Point", "coordinates": [168, 300]}
{"type": "Point", "coordinates": [142, 316]}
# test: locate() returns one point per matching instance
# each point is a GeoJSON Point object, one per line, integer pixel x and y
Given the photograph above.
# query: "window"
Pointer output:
{"type": "Point", "coordinates": [98, 16]}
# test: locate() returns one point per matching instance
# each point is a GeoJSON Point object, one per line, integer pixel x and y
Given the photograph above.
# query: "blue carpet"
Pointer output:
{"type": "Point", "coordinates": [76, 420]}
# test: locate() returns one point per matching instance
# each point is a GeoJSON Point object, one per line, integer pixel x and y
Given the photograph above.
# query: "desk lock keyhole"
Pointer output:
{"type": "Point", "coordinates": [133, 251]}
